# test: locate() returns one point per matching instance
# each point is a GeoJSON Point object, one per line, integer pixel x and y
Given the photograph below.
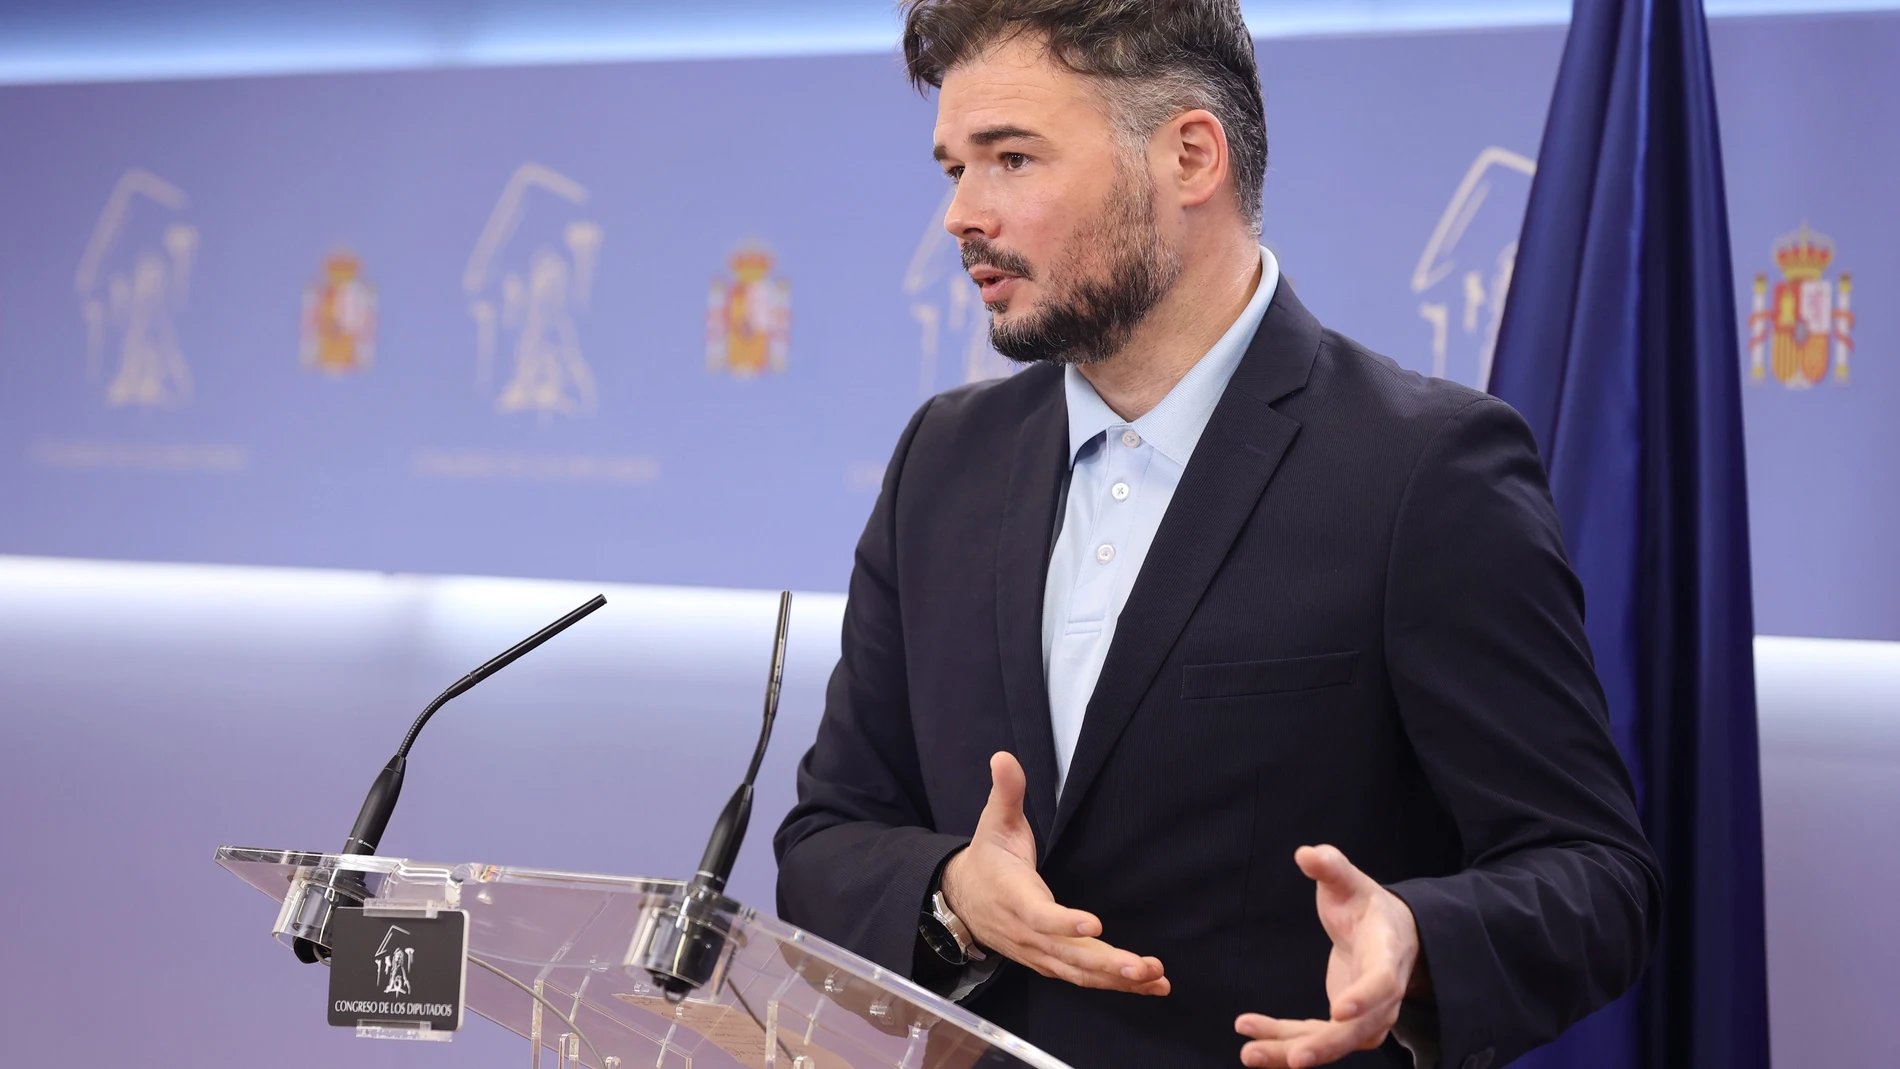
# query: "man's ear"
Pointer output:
{"type": "Point", "coordinates": [1193, 156]}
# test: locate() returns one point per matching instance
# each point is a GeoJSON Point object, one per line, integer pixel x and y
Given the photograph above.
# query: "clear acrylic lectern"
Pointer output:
{"type": "Point", "coordinates": [550, 957]}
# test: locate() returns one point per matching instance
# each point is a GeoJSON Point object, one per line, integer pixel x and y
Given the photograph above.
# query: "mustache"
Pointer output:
{"type": "Point", "coordinates": [981, 252]}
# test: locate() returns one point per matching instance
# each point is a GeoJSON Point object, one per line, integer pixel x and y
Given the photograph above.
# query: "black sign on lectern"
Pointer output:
{"type": "Point", "coordinates": [394, 969]}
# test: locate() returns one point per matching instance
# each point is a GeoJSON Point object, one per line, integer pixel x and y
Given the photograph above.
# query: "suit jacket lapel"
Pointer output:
{"type": "Point", "coordinates": [1022, 567]}
{"type": "Point", "coordinates": [1236, 456]}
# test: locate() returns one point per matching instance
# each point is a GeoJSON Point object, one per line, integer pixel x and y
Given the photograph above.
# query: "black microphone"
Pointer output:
{"type": "Point", "coordinates": [381, 801]}
{"type": "Point", "coordinates": [680, 947]}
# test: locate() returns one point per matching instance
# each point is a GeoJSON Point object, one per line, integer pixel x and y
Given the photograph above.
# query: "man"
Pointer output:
{"type": "Point", "coordinates": [1206, 618]}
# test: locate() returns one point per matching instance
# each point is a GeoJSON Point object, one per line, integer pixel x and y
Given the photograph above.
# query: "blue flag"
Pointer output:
{"type": "Point", "coordinates": [1619, 346]}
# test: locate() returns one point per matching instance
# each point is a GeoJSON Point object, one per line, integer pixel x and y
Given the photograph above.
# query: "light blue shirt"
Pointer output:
{"type": "Point", "coordinates": [1122, 476]}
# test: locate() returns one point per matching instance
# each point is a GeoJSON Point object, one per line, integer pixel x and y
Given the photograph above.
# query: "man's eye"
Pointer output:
{"type": "Point", "coordinates": [953, 173]}
{"type": "Point", "coordinates": [1014, 160]}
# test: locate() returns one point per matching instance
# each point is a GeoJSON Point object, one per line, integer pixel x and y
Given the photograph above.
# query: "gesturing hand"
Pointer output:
{"type": "Point", "coordinates": [993, 888]}
{"type": "Point", "coordinates": [1375, 947]}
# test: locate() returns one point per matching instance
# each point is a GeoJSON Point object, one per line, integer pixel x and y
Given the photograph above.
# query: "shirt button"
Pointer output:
{"type": "Point", "coordinates": [1131, 439]}
{"type": "Point", "coordinates": [1105, 553]}
{"type": "Point", "coordinates": [1119, 491]}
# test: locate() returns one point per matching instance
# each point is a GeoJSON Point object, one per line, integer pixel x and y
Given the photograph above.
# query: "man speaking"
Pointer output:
{"type": "Point", "coordinates": [1212, 674]}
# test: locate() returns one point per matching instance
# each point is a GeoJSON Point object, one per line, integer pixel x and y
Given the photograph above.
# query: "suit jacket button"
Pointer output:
{"type": "Point", "coordinates": [1480, 1060]}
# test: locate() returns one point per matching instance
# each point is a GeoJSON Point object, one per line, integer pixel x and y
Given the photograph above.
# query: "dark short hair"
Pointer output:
{"type": "Point", "coordinates": [1156, 58]}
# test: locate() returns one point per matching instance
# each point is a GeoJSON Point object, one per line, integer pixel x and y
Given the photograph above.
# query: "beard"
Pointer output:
{"type": "Point", "coordinates": [1099, 294]}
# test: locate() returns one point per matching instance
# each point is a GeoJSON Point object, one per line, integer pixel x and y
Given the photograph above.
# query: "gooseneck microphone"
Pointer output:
{"type": "Point", "coordinates": [722, 849]}
{"type": "Point", "coordinates": [680, 946]}
{"type": "Point", "coordinates": [381, 801]}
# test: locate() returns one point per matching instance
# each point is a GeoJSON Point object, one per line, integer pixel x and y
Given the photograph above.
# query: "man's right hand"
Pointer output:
{"type": "Point", "coordinates": [992, 886]}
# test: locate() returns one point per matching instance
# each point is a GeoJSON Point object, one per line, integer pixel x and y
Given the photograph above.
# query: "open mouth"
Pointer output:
{"type": "Point", "coordinates": [993, 284]}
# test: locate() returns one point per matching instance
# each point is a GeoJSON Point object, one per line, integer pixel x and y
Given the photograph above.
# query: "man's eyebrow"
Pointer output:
{"type": "Point", "coordinates": [1004, 133]}
{"type": "Point", "coordinates": [991, 136]}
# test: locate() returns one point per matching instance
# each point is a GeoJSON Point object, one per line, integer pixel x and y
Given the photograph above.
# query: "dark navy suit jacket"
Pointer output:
{"type": "Point", "coordinates": [1356, 626]}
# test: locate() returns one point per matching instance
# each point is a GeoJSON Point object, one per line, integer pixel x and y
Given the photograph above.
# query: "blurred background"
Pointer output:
{"type": "Point", "coordinates": [343, 344]}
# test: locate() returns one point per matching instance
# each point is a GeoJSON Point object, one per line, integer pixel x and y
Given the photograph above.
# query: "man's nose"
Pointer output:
{"type": "Point", "coordinates": [968, 217]}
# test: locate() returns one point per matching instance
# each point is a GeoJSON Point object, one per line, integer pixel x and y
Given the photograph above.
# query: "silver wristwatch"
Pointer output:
{"type": "Point", "coordinates": [948, 935]}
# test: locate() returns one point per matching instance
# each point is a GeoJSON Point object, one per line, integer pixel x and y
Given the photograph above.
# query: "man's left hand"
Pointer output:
{"type": "Point", "coordinates": [1375, 950]}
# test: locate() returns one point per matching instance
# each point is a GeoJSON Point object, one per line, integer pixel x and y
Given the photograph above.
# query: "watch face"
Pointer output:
{"type": "Point", "coordinates": [939, 939]}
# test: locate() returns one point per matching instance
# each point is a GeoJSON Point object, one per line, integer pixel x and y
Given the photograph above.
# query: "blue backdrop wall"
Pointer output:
{"type": "Point", "coordinates": [661, 322]}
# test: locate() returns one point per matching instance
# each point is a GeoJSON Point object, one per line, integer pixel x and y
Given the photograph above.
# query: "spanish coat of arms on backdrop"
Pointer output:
{"type": "Point", "coordinates": [748, 317]}
{"type": "Point", "coordinates": [1805, 326]}
{"type": "Point", "coordinates": [339, 317]}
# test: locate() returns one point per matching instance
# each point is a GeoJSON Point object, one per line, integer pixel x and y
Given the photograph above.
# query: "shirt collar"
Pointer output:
{"type": "Point", "coordinates": [1174, 426]}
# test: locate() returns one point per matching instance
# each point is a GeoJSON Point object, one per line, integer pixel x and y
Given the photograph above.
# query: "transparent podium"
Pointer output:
{"type": "Point", "coordinates": [552, 956]}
